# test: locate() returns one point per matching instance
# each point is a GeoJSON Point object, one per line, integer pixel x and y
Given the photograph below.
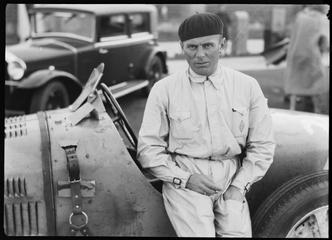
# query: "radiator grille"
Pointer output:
{"type": "Point", "coordinates": [15, 127]}
{"type": "Point", "coordinates": [21, 219]}
{"type": "Point", "coordinates": [21, 213]}
{"type": "Point", "coordinates": [15, 188]}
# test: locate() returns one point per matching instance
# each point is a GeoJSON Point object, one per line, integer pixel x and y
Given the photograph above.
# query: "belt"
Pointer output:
{"type": "Point", "coordinates": [213, 158]}
{"type": "Point", "coordinates": [210, 158]}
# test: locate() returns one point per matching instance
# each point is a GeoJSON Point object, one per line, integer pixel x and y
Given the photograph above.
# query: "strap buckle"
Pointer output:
{"type": "Point", "coordinates": [78, 216]}
{"type": "Point", "coordinates": [75, 180]}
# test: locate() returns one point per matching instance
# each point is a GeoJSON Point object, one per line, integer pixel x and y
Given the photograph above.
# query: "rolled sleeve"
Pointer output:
{"type": "Point", "coordinates": [153, 140]}
{"type": "Point", "coordinates": [260, 143]}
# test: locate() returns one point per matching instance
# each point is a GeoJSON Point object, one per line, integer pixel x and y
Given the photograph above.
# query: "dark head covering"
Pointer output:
{"type": "Point", "coordinates": [200, 25]}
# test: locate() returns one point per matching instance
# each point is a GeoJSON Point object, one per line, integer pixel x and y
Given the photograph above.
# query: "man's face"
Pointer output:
{"type": "Point", "coordinates": [202, 53]}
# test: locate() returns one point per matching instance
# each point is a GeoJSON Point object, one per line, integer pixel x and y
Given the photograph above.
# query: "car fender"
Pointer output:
{"type": "Point", "coordinates": [41, 77]}
{"type": "Point", "coordinates": [160, 52]}
{"type": "Point", "coordinates": [302, 148]}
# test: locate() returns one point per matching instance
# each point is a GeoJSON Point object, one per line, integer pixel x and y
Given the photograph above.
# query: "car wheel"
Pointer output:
{"type": "Point", "coordinates": [154, 73]}
{"type": "Point", "coordinates": [54, 95]}
{"type": "Point", "coordinates": [298, 209]}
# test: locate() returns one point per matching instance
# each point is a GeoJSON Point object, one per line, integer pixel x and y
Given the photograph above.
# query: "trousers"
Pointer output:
{"type": "Point", "coordinates": [196, 215]}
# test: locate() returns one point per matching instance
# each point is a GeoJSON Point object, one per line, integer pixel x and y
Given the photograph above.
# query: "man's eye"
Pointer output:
{"type": "Point", "coordinates": [191, 47]}
{"type": "Point", "coordinates": [207, 45]}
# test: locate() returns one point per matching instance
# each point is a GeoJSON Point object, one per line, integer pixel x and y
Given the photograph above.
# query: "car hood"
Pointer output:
{"type": "Point", "coordinates": [301, 134]}
{"type": "Point", "coordinates": [41, 49]}
{"type": "Point", "coordinates": [289, 121]}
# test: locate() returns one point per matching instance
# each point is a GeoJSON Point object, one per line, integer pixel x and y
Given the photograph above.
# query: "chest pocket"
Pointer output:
{"type": "Point", "coordinates": [240, 121]}
{"type": "Point", "coordinates": [181, 124]}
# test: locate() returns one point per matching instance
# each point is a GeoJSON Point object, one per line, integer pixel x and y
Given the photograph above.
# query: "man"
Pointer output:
{"type": "Point", "coordinates": [195, 125]}
{"type": "Point", "coordinates": [306, 74]}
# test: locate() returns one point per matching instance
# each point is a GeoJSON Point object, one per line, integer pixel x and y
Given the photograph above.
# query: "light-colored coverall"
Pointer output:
{"type": "Point", "coordinates": [189, 119]}
{"type": "Point", "coordinates": [306, 74]}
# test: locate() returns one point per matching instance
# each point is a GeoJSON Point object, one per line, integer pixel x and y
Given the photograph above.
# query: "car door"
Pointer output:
{"type": "Point", "coordinates": [141, 40]}
{"type": "Point", "coordinates": [112, 47]}
{"type": "Point", "coordinates": [87, 57]}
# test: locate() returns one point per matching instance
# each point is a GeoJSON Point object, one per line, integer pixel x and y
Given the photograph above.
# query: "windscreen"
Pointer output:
{"type": "Point", "coordinates": [70, 24]}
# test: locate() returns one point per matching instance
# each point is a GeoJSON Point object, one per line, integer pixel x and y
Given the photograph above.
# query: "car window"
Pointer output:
{"type": "Point", "coordinates": [111, 26]}
{"type": "Point", "coordinates": [64, 23]}
{"type": "Point", "coordinates": [139, 23]}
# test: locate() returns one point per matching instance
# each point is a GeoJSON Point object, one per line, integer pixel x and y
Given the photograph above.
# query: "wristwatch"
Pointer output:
{"type": "Point", "coordinates": [177, 182]}
{"type": "Point", "coordinates": [247, 188]}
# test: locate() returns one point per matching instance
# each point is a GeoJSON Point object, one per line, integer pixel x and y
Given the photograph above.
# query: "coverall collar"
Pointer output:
{"type": "Point", "coordinates": [216, 77]}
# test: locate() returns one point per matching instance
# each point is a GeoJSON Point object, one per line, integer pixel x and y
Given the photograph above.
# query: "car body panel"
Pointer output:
{"type": "Point", "coordinates": [40, 77]}
{"type": "Point", "coordinates": [132, 204]}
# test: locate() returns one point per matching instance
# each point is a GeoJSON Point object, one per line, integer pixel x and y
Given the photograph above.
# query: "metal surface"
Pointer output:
{"type": "Point", "coordinates": [48, 187]}
{"type": "Point", "coordinates": [43, 76]}
{"type": "Point", "coordinates": [88, 188]}
{"type": "Point", "coordinates": [15, 127]}
{"type": "Point", "coordinates": [124, 199]}
{"type": "Point", "coordinates": [24, 204]}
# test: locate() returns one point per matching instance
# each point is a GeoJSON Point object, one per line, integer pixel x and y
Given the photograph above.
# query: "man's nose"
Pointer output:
{"type": "Point", "coordinates": [200, 52]}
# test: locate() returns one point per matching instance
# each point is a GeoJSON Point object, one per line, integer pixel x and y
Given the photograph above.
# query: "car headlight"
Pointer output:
{"type": "Point", "coordinates": [16, 67]}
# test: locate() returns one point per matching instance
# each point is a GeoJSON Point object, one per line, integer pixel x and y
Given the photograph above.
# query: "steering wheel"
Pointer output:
{"type": "Point", "coordinates": [119, 116]}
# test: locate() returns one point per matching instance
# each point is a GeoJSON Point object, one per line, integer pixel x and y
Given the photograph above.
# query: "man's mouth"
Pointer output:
{"type": "Point", "coordinates": [202, 64]}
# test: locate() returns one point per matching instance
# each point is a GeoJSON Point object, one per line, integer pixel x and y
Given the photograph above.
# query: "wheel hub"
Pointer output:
{"type": "Point", "coordinates": [313, 225]}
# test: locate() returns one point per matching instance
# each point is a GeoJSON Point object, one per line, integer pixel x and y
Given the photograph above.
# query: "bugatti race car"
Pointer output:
{"type": "Point", "coordinates": [73, 171]}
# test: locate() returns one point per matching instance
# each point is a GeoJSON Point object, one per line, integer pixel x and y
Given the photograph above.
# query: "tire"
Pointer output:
{"type": "Point", "coordinates": [53, 95]}
{"type": "Point", "coordinates": [290, 210]}
{"type": "Point", "coordinates": [154, 73]}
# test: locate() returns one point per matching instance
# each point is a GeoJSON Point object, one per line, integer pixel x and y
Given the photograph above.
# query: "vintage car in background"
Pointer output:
{"type": "Point", "coordinates": [73, 171]}
{"type": "Point", "coordinates": [49, 70]}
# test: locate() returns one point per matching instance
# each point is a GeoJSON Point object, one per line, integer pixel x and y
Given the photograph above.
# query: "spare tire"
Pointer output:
{"type": "Point", "coordinates": [53, 95]}
{"type": "Point", "coordinates": [299, 208]}
{"type": "Point", "coordinates": [154, 74]}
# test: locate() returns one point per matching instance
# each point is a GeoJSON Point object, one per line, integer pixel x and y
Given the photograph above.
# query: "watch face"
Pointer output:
{"type": "Point", "coordinates": [177, 181]}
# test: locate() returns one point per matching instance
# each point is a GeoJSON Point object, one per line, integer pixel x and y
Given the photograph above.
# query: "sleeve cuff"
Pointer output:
{"type": "Point", "coordinates": [241, 183]}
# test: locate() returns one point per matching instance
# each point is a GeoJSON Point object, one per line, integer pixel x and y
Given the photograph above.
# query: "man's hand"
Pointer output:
{"type": "Point", "coordinates": [202, 184]}
{"type": "Point", "coordinates": [233, 193]}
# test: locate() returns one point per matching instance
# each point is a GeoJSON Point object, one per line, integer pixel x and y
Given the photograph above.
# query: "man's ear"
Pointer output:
{"type": "Point", "coordinates": [181, 44]}
{"type": "Point", "coordinates": [222, 42]}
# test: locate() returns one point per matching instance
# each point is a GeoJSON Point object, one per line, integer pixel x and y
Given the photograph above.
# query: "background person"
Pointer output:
{"type": "Point", "coordinates": [207, 134]}
{"type": "Point", "coordinates": [305, 73]}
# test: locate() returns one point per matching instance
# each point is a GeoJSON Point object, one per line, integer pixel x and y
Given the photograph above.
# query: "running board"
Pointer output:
{"type": "Point", "coordinates": [125, 88]}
